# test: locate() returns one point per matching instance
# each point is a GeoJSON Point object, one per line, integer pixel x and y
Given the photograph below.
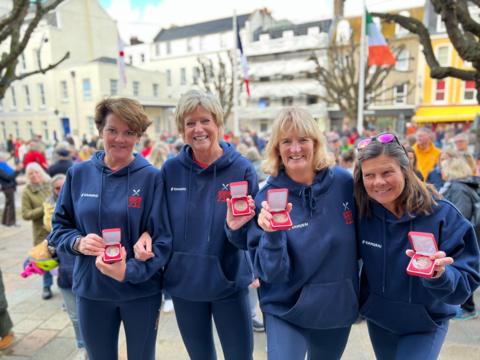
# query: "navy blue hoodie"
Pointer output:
{"type": "Point", "coordinates": [406, 304]}
{"type": "Point", "coordinates": [309, 274]}
{"type": "Point", "coordinates": [95, 198]}
{"type": "Point", "coordinates": [206, 265]}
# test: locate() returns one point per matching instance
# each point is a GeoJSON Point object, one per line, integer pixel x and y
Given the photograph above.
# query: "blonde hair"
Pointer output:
{"type": "Point", "coordinates": [455, 168]}
{"type": "Point", "coordinates": [299, 121]}
{"type": "Point", "coordinates": [193, 99]}
{"type": "Point", "coordinates": [158, 155]}
{"type": "Point", "coordinates": [129, 110]}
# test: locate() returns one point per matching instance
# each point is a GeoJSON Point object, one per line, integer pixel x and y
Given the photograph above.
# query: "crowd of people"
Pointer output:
{"type": "Point", "coordinates": [353, 202]}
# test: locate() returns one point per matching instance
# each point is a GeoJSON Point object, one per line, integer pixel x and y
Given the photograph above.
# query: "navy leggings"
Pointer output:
{"type": "Point", "coordinates": [417, 346]}
{"type": "Point", "coordinates": [233, 322]}
{"type": "Point", "coordinates": [286, 341]}
{"type": "Point", "coordinates": [100, 324]}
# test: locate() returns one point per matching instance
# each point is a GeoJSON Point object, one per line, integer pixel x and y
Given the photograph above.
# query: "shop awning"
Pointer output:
{"type": "Point", "coordinates": [436, 114]}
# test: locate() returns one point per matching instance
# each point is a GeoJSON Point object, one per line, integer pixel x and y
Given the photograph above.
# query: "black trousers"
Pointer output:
{"type": "Point", "coordinates": [469, 305]}
{"type": "Point", "coordinates": [5, 321]}
{"type": "Point", "coordinates": [8, 217]}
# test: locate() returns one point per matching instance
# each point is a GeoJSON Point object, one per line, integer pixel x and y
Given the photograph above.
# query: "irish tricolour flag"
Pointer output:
{"type": "Point", "coordinates": [379, 53]}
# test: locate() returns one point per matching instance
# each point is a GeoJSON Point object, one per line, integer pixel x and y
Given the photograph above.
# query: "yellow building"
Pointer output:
{"type": "Point", "coordinates": [447, 100]}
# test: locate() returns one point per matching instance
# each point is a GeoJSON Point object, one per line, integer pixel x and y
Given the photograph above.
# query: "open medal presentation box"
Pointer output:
{"type": "Point", "coordinates": [424, 245]}
{"type": "Point", "coordinates": [239, 202]}
{"type": "Point", "coordinates": [277, 200]}
{"type": "Point", "coordinates": [112, 238]}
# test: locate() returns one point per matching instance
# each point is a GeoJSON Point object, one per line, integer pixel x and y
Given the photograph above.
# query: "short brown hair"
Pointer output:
{"type": "Point", "coordinates": [416, 197]}
{"type": "Point", "coordinates": [129, 110]}
{"type": "Point", "coordinates": [300, 121]}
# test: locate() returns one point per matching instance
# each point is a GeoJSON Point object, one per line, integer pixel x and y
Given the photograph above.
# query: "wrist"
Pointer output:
{"type": "Point", "coordinates": [76, 243]}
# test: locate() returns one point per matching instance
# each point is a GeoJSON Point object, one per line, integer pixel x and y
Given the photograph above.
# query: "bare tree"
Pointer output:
{"type": "Point", "coordinates": [339, 77]}
{"type": "Point", "coordinates": [16, 28]}
{"type": "Point", "coordinates": [217, 77]}
{"type": "Point", "coordinates": [462, 30]}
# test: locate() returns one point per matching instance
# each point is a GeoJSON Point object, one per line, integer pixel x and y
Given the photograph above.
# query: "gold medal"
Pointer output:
{"type": "Point", "coordinates": [112, 251]}
{"type": "Point", "coordinates": [422, 263]}
{"type": "Point", "coordinates": [240, 205]}
{"type": "Point", "coordinates": [280, 218]}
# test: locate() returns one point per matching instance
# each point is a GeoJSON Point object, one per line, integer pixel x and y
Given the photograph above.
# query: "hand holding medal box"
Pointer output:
{"type": "Point", "coordinates": [277, 201]}
{"type": "Point", "coordinates": [112, 238]}
{"type": "Point", "coordinates": [424, 245]}
{"type": "Point", "coordinates": [239, 202]}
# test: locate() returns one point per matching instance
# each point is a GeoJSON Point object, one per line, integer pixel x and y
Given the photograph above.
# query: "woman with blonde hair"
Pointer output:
{"type": "Point", "coordinates": [309, 274]}
{"type": "Point", "coordinates": [158, 154]}
{"type": "Point", "coordinates": [33, 196]}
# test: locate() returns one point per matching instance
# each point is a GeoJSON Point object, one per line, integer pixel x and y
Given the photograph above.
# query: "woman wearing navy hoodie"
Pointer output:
{"type": "Point", "coordinates": [308, 274]}
{"type": "Point", "coordinates": [115, 189]}
{"type": "Point", "coordinates": [210, 270]}
{"type": "Point", "coordinates": [407, 316]}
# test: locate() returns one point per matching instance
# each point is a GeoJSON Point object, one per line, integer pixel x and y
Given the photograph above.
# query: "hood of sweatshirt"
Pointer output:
{"type": "Point", "coordinates": [228, 157]}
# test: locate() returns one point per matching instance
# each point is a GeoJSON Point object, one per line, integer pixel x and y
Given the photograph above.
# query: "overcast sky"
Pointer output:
{"type": "Point", "coordinates": [144, 18]}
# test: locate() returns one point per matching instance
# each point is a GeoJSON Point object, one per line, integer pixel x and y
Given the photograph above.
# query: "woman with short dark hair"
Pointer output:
{"type": "Point", "coordinates": [407, 316]}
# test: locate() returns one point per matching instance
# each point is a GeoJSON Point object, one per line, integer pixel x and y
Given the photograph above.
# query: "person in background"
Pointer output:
{"type": "Point", "coordinates": [115, 189]}
{"type": "Point", "coordinates": [158, 154]}
{"type": "Point", "coordinates": [461, 189]}
{"type": "Point", "coordinates": [6, 324]}
{"type": "Point", "coordinates": [427, 154]}
{"type": "Point", "coordinates": [347, 160]}
{"type": "Point", "coordinates": [209, 272]}
{"type": "Point", "coordinates": [63, 162]}
{"type": "Point", "coordinates": [33, 197]}
{"type": "Point", "coordinates": [407, 317]}
{"type": "Point", "coordinates": [35, 154]}
{"type": "Point", "coordinates": [8, 185]}
{"type": "Point", "coordinates": [85, 153]}
{"type": "Point", "coordinates": [308, 274]}
{"type": "Point", "coordinates": [147, 147]}
{"type": "Point", "coordinates": [412, 157]}
{"type": "Point", "coordinates": [66, 262]}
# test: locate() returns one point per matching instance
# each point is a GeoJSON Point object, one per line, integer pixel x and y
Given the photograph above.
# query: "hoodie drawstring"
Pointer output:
{"type": "Point", "coordinates": [307, 199]}
{"type": "Point", "coordinates": [100, 202]}
{"type": "Point", "coordinates": [128, 189]}
{"type": "Point", "coordinates": [410, 277]}
{"type": "Point", "coordinates": [384, 254]}
{"type": "Point", "coordinates": [213, 202]}
{"type": "Point", "coordinates": [188, 201]}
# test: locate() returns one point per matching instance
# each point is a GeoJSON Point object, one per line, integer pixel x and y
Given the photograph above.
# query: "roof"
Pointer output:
{"type": "Point", "coordinates": [277, 30]}
{"type": "Point", "coordinates": [203, 28]}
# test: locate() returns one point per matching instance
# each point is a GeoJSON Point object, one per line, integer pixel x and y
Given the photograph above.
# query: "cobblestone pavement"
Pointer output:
{"type": "Point", "coordinates": [43, 329]}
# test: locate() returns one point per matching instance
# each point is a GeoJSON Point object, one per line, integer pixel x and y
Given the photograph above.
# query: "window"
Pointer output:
{"type": "Point", "coordinates": [469, 92]}
{"type": "Point", "coordinates": [287, 101]}
{"type": "Point", "coordinates": [312, 99]}
{"type": "Point", "coordinates": [64, 90]}
{"type": "Point", "coordinates": [4, 130]}
{"type": "Point", "coordinates": [264, 78]}
{"type": "Point", "coordinates": [189, 44]}
{"type": "Point", "coordinates": [287, 77]}
{"type": "Point", "coordinates": [87, 89]}
{"type": "Point", "coordinates": [14, 98]}
{"type": "Point", "coordinates": [28, 103]}
{"type": "Point", "coordinates": [91, 125]}
{"type": "Point", "coordinates": [400, 94]}
{"type": "Point", "coordinates": [196, 74]}
{"type": "Point", "coordinates": [142, 58]}
{"type": "Point", "coordinates": [41, 93]}
{"type": "Point", "coordinates": [113, 87]}
{"type": "Point", "coordinates": [157, 49]}
{"type": "Point", "coordinates": [402, 60]}
{"type": "Point", "coordinates": [440, 24]}
{"type": "Point", "coordinates": [183, 76]}
{"type": "Point", "coordinates": [168, 73]}
{"type": "Point", "coordinates": [17, 130]}
{"type": "Point", "coordinates": [45, 130]}
{"type": "Point", "coordinates": [442, 55]}
{"type": "Point", "coordinates": [23, 63]}
{"type": "Point", "coordinates": [440, 90]}
{"type": "Point", "coordinates": [130, 59]}
{"type": "Point", "coordinates": [136, 88]}
{"type": "Point", "coordinates": [155, 90]}
{"type": "Point", "coordinates": [263, 102]}
{"type": "Point", "coordinates": [30, 126]}
{"type": "Point", "coordinates": [169, 48]}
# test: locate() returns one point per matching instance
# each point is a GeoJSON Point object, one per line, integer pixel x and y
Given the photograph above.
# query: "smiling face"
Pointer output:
{"type": "Point", "coordinates": [119, 139]}
{"type": "Point", "coordinates": [383, 180]}
{"type": "Point", "coordinates": [34, 176]}
{"type": "Point", "coordinates": [296, 153]}
{"type": "Point", "coordinates": [201, 131]}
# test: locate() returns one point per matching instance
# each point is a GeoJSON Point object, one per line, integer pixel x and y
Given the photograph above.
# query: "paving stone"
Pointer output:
{"type": "Point", "coordinates": [33, 342]}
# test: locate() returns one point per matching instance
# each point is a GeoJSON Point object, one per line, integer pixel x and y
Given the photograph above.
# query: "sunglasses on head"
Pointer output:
{"type": "Point", "coordinates": [384, 138]}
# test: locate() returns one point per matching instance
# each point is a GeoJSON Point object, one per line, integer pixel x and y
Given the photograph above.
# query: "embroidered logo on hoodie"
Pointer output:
{"type": "Point", "coordinates": [135, 200]}
{"type": "Point", "coordinates": [347, 214]}
{"type": "Point", "coordinates": [224, 193]}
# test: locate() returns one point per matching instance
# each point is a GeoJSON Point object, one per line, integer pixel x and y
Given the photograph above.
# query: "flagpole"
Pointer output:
{"type": "Point", "coordinates": [361, 72]}
{"type": "Point", "coordinates": [236, 129]}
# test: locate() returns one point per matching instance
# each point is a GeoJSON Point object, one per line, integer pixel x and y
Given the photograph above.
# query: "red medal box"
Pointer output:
{"type": "Point", "coordinates": [424, 245]}
{"type": "Point", "coordinates": [112, 238]}
{"type": "Point", "coordinates": [239, 201]}
{"type": "Point", "coordinates": [277, 200]}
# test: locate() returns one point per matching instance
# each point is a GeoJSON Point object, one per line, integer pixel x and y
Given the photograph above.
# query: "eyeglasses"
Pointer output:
{"type": "Point", "coordinates": [384, 138]}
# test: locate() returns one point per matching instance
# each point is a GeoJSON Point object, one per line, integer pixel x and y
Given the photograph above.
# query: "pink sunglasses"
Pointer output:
{"type": "Point", "coordinates": [384, 138]}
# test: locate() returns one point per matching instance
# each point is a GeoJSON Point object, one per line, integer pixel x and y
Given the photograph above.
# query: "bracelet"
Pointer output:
{"type": "Point", "coordinates": [76, 244]}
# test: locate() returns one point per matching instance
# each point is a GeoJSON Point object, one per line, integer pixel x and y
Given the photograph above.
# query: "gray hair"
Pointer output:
{"type": "Point", "coordinates": [34, 166]}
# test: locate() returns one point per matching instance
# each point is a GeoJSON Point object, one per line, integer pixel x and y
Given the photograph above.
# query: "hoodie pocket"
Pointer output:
{"type": "Point", "coordinates": [325, 306]}
{"type": "Point", "coordinates": [398, 317]}
{"type": "Point", "coordinates": [197, 277]}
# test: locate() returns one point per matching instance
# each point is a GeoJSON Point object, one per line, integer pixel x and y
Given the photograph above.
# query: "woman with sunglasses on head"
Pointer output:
{"type": "Point", "coordinates": [308, 274]}
{"type": "Point", "coordinates": [407, 316]}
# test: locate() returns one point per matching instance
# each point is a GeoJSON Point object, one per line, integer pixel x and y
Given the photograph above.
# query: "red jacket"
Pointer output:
{"type": "Point", "coordinates": [35, 156]}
